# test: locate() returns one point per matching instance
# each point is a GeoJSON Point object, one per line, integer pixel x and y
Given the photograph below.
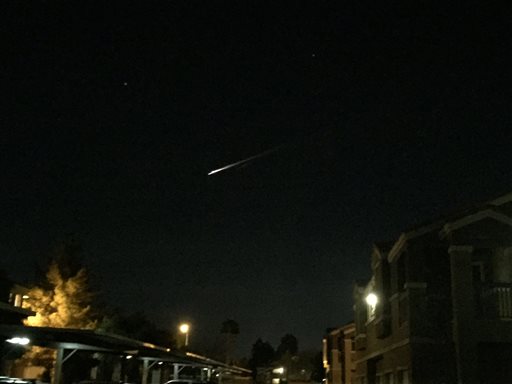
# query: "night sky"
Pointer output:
{"type": "Point", "coordinates": [113, 113]}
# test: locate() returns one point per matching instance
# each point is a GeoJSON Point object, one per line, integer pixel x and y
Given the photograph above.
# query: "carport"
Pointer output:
{"type": "Point", "coordinates": [68, 341]}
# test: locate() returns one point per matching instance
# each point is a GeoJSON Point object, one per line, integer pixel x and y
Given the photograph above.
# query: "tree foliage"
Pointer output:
{"type": "Point", "coordinates": [136, 326]}
{"type": "Point", "coordinates": [262, 355]}
{"type": "Point", "coordinates": [63, 301]}
{"type": "Point", "coordinates": [289, 344]}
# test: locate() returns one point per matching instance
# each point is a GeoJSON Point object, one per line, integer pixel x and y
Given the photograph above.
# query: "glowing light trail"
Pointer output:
{"type": "Point", "coordinates": [232, 165]}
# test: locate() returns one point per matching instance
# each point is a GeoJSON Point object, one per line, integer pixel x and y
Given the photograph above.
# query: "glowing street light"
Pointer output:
{"type": "Point", "coordinates": [185, 328]}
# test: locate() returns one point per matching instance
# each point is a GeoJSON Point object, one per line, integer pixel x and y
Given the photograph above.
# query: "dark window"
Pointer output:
{"type": "Point", "coordinates": [403, 310]}
{"type": "Point", "coordinates": [477, 270]}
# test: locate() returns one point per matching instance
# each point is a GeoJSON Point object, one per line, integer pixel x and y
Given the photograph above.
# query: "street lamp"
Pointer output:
{"type": "Point", "coordinates": [185, 328]}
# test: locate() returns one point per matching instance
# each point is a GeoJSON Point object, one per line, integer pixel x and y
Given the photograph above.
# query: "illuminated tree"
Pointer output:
{"type": "Point", "coordinates": [62, 300]}
{"type": "Point", "coordinates": [65, 302]}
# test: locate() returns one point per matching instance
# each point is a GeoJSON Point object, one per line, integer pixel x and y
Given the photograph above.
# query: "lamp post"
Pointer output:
{"type": "Point", "coordinates": [185, 328]}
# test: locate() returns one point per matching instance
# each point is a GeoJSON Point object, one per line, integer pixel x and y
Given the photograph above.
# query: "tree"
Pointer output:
{"type": "Point", "coordinates": [230, 330]}
{"type": "Point", "coordinates": [286, 353]}
{"type": "Point", "coordinates": [136, 326]}
{"type": "Point", "coordinates": [289, 344]}
{"type": "Point", "coordinates": [61, 300]}
{"type": "Point", "coordinates": [262, 355]}
{"type": "Point", "coordinates": [64, 301]}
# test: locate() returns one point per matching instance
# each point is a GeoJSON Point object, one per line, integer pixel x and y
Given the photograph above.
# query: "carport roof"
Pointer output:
{"type": "Point", "coordinates": [84, 339]}
{"type": "Point", "coordinates": [91, 340]}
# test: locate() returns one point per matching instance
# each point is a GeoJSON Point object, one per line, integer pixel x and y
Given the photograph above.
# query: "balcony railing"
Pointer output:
{"type": "Point", "coordinates": [496, 300]}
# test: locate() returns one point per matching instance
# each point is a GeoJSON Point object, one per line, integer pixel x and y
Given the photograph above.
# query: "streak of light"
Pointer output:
{"type": "Point", "coordinates": [244, 161]}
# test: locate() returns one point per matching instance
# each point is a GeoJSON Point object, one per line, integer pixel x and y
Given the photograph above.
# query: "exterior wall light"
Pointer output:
{"type": "Point", "coordinates": [372, 299]}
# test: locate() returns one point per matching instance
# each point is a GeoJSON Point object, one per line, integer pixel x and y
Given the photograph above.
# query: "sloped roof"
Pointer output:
{"type": "Point", "coordinates": [461, 212]}
{"type": "Point", "coordinates": [491, 207]}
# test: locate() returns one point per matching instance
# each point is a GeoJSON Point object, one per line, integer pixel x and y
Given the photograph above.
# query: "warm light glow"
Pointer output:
{"type": "Point", "coordinates": [37, 320]}
{"type": "Point", "coordinates": [184, 328]}
{"type": "Point", "coordinates": [324, 353]}
{"type": "Point", "coordinates": [372, 299]}
{"type": "Point", "coordinates": [26, 297]}
{"type": "Point", "coordinates": [129, 357]}
{"type": "Point", "coordinates": [279, 370]}
{"type": "Point", "coordinates": [19, 340]}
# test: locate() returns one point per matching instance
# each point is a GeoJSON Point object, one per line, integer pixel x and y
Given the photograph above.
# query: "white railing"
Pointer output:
{"type": "Point", "coordinates": [496, 300]}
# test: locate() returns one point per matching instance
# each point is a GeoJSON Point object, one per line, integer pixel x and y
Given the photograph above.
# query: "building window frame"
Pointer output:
{"type": "Point", "coordinates": [402, 376]}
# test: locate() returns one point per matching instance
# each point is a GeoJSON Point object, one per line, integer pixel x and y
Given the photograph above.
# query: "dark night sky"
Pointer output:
{"type": "Point", "coordinates": [113, 115]}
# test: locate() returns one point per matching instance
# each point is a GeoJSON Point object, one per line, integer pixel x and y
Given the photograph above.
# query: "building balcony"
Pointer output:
{"type": "Point", "coordinates": [495, 301]}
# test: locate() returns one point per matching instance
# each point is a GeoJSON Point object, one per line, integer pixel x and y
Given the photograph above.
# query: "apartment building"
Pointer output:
{"type": "Point", "coordinates": [438, 307]}
{"type": "Point", "coordinates": [338, 354]}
